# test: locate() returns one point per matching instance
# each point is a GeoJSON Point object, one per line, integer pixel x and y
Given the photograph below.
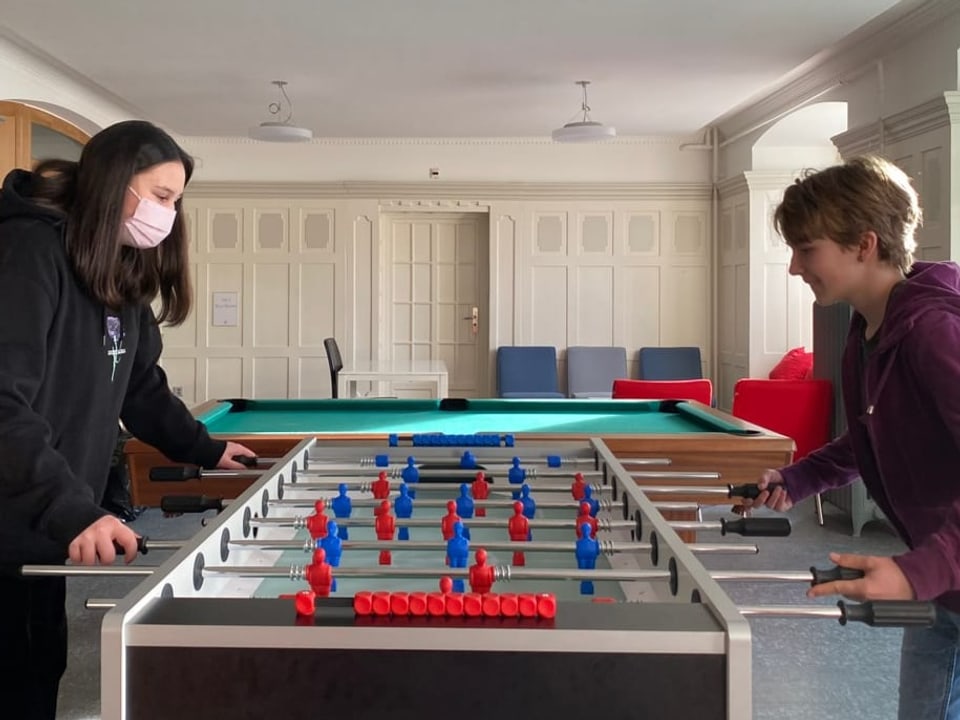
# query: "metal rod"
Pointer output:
{"type": "Point", "coordinates": [807, 611]}
{"type": "Point", "coordinates": [671, 474]}
{"type": "Point", "coordinates": [605, 503]}
{"type": "Point", "coordinates": [366, 485]}
{"type": "Point", "coordinates": [803, 576]}
{"type": "Point", "coordinates": [603, 523]}
{"type": "Point", "coordinates": [480, 457]}
{"type": "Point", "coordinates": [307, 545]}
{"type": "Point", "coordinates": [678, 506]}
{"type": "Point", "coordinates": [607, 547]}
{"type": "Point", "coordinates": [504, 573]}
{"type": "Point", "coordinates": [152, 544]}
{"type": "Point", "coordinates": [685, 490]}
{"type": "Point", "coordinates": [87, 570]}
{"type": "Point", "coordinates": [441, 475]}
{"type": "Point", "coordinates": [100, 604]}
{"type": "Point", "coordinates": [695, 525]}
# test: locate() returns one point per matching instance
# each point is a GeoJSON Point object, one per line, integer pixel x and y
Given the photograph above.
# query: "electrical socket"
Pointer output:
{"type": "Point", "coordinates": [177, 390]}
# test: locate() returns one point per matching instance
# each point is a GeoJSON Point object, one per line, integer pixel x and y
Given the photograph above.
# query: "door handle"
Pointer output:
{"type": "Point", "coordinates": [474, 318]}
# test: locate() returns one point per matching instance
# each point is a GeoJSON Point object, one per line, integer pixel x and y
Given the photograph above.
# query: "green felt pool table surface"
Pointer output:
{"type": "Point", "coordinates": [584, 418]}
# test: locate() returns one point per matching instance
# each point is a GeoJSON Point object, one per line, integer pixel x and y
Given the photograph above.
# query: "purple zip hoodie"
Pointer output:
{"type": "Point", "coordinates": [903, 428]}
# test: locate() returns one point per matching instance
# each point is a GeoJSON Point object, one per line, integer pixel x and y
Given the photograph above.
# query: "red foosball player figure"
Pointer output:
{"type": "Point", "coordinates": [449, 520]}
{"type": "Point", "coordinates": [381, 486]}
{"type": "Point", "coordinates": [317, 523]}
{"type": "Point", "coordinates": [519, 528]}
{"type": "Point", "coordinates": [481, 574]}
{"type": "Point", "coordinates": [319, 574]}
{"type": "Point", "coordinates": [480, 489]}
{"type": "Point", "coordinates": [586, 518]}
{"type": "Point", "coordinates": [578, 487]}
{"type": "Point", "coordinates": [384, 525]}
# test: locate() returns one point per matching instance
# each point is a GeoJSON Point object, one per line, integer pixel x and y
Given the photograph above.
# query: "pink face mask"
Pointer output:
{"type": "Point", "coordinates": [150, 224]}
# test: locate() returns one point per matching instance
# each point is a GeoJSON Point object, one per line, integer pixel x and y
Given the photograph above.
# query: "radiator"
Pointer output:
{"type": "Point", "coordinates": [857, 503]}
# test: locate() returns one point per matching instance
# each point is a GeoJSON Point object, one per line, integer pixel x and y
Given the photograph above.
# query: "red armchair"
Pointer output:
{"type": "Point", "coordinates": [799, 409]}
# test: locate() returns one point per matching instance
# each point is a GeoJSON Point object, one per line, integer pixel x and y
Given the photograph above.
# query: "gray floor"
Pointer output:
{"type": "Point", "coordinates": [802, 668]}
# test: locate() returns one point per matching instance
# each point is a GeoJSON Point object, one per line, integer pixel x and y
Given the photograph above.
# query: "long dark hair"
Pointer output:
{"type": "Point", "coordinates": [91, 192]}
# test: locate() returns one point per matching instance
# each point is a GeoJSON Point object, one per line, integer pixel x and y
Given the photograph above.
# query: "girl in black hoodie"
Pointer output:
{"type": "Point", "coordinates": [85, 249]}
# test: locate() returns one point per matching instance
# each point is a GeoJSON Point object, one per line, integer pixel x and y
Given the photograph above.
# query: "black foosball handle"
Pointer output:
{"type": "Point", "coordinates": [749, 491]}
{"type": "Point", "coordinates": [142, 547]}
{"type": "Point", "coordinates": [833, 574]}
{"type": "Point", "coordinates": [889, 613]}
{"type": "Point", "coordinates": [249, 461]}
{"type": "Point", "coordinates": [183, 504]}
{"type": "Point", "coordinates": [178, 473]}
{"type": "Point", "coordinates": [756, 527]}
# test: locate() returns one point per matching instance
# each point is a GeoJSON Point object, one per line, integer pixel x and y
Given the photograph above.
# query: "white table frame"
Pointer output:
{"type": "Point", "coordinates": [433, 372]}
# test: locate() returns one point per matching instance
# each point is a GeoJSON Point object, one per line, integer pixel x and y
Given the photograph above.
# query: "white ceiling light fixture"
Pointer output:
{"type": "Point", "coordinates": [281, 130]}
{"type": "Point", "coordinates": [585, 130]}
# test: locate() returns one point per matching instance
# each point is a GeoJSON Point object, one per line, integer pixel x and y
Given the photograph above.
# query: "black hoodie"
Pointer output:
{"type": "Point", "coordinates": [69, 369]}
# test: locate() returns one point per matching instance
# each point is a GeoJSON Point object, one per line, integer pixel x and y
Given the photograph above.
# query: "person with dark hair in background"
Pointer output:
{"type": "Point", "coordinates": [85, 249]}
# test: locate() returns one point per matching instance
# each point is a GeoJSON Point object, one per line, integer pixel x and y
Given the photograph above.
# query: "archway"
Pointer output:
{"type": "Point", "coordinates": [29, 133]}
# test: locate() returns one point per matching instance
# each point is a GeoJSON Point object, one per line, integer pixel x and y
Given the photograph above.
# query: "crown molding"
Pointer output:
{"type": "Point", "coordinates": [842, 63]}
{"type": "Point", "coordinates": [952, 100]}
{"type": "Point", "coordinates": [452, 194]}
{"type": "Point", "coordinates": [941, 111]}
{"type": "Point", "coordinates": [733, 185]}
{"type": "Point", "coordinates": [763, 180]}
{"type": "Point", "coordinates": [754, 181]}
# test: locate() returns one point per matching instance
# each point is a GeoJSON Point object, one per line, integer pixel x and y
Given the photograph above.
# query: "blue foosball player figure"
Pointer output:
{"type": "Point", "coordinates": [411, 474]}
{"type": "Point", "coordinates": [591, 501]}
{"type": "Point", "coordinates": [529, 504]}
{"type": "Point", "coordinates": [458, 553]}
{"type": "Point", "coordinates": [342, 508]}
{"type": "Point", "coordinates": [465, 502]}
{"type": "Point", "coordinates": [587, 551]}
{"type": "Point", "coordinates": [333, 547]}
{"type": "Point", "coordinates": [516, 475]}
{"type": "Point", "coordinates": [403, 508]}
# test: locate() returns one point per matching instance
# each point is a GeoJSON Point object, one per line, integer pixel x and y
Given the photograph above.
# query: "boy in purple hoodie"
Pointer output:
{"type": "Point", "coordinates": [851, 229]}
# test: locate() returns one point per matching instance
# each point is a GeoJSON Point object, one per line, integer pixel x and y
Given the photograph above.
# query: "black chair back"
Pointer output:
{"type": "Point", "coordinates": [335, 362]}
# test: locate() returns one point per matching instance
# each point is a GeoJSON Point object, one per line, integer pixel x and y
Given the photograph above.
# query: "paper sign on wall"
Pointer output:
{"type": "Point", "coordinates": [226, 310]}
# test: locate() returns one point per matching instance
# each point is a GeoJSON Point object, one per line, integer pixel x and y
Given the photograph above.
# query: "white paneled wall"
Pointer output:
{"type": "Point", "coordinates": [305, 264]}
{"type": "Point", "coordinates": [781, 308]}
{"type": "Point", "coordinates": [733, 291]}
{"type": "Point", "coordinates": [925, 142]}
{"type": "Point", "coordinates": [281, 262]}
{"type": "Point", "coordinates": [762, 310]}
{"type": "Point", "coordinates": [628, 274]}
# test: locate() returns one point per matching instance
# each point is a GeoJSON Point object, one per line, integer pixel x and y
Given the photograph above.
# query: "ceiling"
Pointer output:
{"type": "Point", "coordinates": [435, 68]}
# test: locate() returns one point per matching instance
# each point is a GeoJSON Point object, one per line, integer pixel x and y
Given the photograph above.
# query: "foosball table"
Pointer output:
{"type": "Point", "coordinates": [351, 582]}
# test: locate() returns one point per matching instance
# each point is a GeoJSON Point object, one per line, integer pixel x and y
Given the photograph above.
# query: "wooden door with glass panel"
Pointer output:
{"type": "Point", "coordinates": [29, 135]}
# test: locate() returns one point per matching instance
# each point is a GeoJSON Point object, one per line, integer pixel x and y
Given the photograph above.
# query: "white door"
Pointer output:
{"type": "Point", "coordinates": [437, 296]}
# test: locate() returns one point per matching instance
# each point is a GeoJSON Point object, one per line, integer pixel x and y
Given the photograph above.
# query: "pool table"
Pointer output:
{"type": "Point", "coordinates": [694, 436]}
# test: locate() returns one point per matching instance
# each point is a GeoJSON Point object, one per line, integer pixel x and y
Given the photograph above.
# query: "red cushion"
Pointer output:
{"type": "Point", "coordinates": [797, 364]}
{"type": "Point", "coordinates": [700, 390]}
{"type": "Point", "coordinates": [801, 410]}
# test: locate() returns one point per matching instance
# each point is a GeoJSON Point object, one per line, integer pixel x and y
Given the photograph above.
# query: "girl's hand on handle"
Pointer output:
{"type": "Point", "coordinates": [97, 544]}
{"type": "Point", "coordinates": [773, 493]}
